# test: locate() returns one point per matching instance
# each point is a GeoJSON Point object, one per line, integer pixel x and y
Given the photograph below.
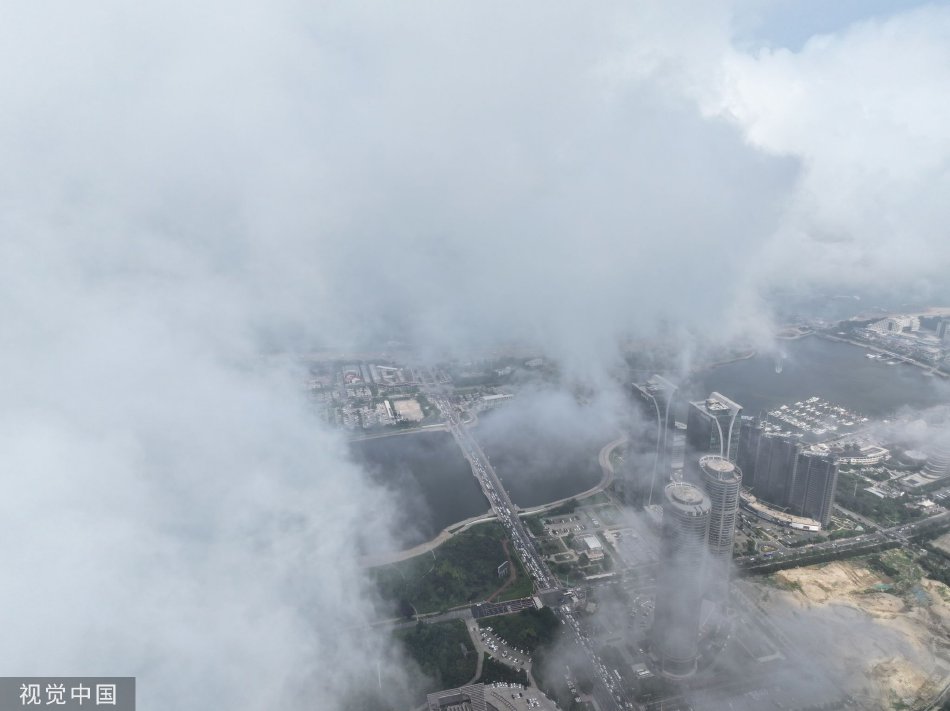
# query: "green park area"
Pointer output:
{"type": "Point", "coordinates": [852, 494]}
{"type": "Point", "coordinates": [526, 630]}
{"type": "Point", "coordinates": [462, 570]}
{"type": "Point", "coordinates": [447, 659]}
{"type": "Point", "coordinates": [443, 651]}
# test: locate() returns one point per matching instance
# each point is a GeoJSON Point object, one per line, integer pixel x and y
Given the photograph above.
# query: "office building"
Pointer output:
{"type": "Point", "coordinates": [712, 427]}
{"type": "Point", "coordinates": [656, 400]}
{"type": "Point", "coordinates": [679, 448]}
{"type": "Point", "coordinates": [721, 480]}
{"type": "Point", "coordinates": [675, 636]}
{"type": "Point", "coordinates": [750, 434]}
{"type": "Point", "coordinates": [774, 467]}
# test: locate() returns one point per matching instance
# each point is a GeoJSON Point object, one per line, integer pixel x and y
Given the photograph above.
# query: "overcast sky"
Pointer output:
{"type": "Point", "coordinates": [184, 186]}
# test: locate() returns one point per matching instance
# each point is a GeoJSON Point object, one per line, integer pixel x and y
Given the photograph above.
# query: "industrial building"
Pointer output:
{"type": "Point", "coordinates": [675, 635]}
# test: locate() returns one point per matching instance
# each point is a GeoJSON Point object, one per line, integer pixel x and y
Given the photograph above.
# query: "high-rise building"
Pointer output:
{"type": "Point", "coordinates": [783, 473]}
{"type": "Point", "coordinates": [712, 427]}
{"type": "Point", "coordinates": [814, 481]}
{"type": "Point", "coordinates": [938, 460]}
{"type": "Point", "coordinates": [679, 581]}
{"type": "Point", "coordinates": [656, 399]}
{"type": "Point", "coordinates": [721, 480]}
{"type": "Point", "coordinates": [679, 447]}
{"type": "Point", "coordinates": [750, 434]}
{"type": "Point", "coordinates": [774, 468]}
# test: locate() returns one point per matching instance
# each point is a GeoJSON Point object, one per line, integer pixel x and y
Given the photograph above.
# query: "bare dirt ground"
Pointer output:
{"type": "Point", "coordinates": [888, 651]}
{"type": "Point", "coordinates": [409, 410]}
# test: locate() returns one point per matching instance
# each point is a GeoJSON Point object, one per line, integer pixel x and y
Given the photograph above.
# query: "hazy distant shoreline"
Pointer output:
{"type": "Point", "coordinates": [868, 346]}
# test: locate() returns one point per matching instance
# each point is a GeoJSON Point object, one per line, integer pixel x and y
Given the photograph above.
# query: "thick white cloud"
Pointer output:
{"type": "Point", "coordinates": [863, 111]}
{"type": "Point", "coordinates": [184, 188]}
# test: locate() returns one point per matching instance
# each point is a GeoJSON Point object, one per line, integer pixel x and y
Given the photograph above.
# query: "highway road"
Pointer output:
{"type": "Point", "coordinates": [501, 504]}
{"type": "Point", "coordinates": [607, 692]}
{"type": "Point", "coordinates": [843, 548]}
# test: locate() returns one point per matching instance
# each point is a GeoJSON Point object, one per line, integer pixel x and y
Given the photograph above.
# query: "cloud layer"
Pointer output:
{"type": "Point", "coordinates": [186, 188]}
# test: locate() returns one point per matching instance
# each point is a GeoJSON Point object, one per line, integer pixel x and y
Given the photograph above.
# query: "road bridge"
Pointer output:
{"type": "Point", "coordinates": [609, 695]}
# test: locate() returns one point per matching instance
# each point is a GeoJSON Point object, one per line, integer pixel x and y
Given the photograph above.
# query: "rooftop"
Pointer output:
{"type": "Point", "coordinates": [685, 494]}
{"type": "Point", "coordinates": [716, 403]}
{"type": "Point", "coordinates": [592, 543]}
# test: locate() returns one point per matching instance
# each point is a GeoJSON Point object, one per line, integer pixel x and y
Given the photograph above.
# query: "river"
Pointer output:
{"type": "Point", "coordinates": [434, 483]}
{"type": "Point", "coordinates": [431, 479]}
{"type": "Point", "coordinates": [537, 463]}
{"type": "Point", "coordinates": [837, 372]}
{"type": "Point", "coordinates": [541, 461]}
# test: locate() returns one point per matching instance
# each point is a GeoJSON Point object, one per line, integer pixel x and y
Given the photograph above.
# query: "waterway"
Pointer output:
{"type": "Point", "coordinates": [539, 462]}
{"type": "Point", "coordinates": [429, 477]}
{"type": "Point", "coordinates": [837, 372]}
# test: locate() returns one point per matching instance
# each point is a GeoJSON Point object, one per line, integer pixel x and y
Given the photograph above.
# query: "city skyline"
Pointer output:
{"type": "Point", "coordinates": [240, 241]}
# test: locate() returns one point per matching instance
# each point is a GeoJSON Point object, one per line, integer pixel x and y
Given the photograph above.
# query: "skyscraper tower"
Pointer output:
{"type": "Point", "coordinates": [656, 397]}
{"type": "Point", "coordinates": [815, 480]}
{"type": "Point", "coordinates": [721, 479]}
{"type": "Point", "coordinates": [712, 427]}
{"type": "Point", "coordinates": [774, 468]}
{"type": "Point", "coordinates": [750, 438]}
{"type": "Point", "coordinates": [679, 581]}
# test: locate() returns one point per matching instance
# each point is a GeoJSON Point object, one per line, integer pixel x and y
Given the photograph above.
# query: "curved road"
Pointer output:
{"type": "Point", "coordinates": [445, 534]}
{"type": "Point", "coordinates": [606, 479]}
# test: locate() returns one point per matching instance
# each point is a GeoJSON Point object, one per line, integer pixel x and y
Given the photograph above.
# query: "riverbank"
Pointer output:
{"type": "Point", "coordinates": [793, 333]}
{"type": "Point", "coordinates": [705, 367]}
{"type": "Point", "coordinates": [607, 478]}
{"type": "Point", "coordinates": [830, 368]}
{"type": "Point", "coordinates": [877, 349]}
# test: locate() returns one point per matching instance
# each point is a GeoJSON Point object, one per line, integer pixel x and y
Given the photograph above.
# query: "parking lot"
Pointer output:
{"type": "Point", "coordinates": [499, 649]}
